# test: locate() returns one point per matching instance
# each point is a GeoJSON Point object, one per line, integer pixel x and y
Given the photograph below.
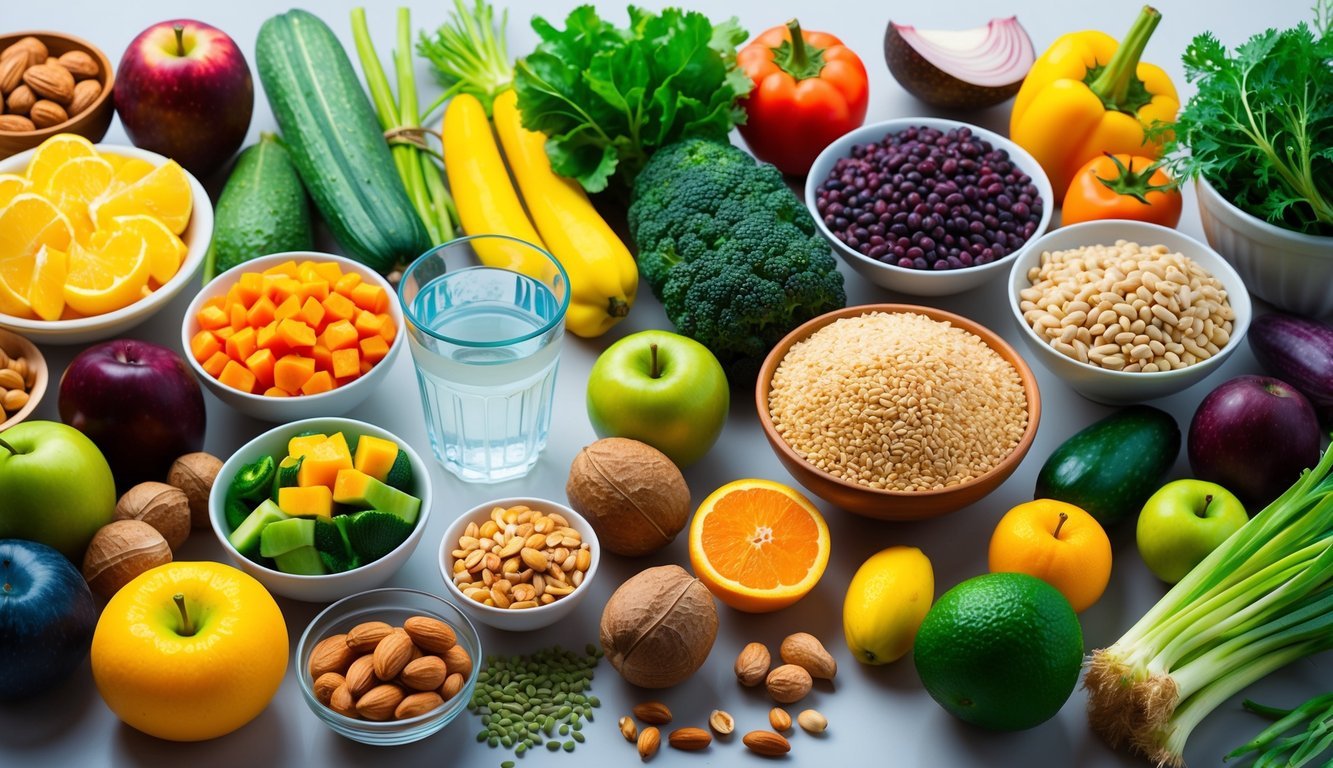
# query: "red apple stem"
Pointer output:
{"type": "Point", "coordinates": [655, 372]}
{"type": "Point", "coordinates": [1064, 516]}
{"type": "Point", "coordinates": [187, 626]}
{"type": "Point", "coordinates": [8, 447]}
{"type": "Point", "coordinates": [1207, 501]}
{"type": "Point", "coordinates": [179, 29]}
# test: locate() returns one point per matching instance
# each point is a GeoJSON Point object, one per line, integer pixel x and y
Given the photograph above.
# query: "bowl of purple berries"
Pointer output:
{"type": "Point", "coordinates": [926, 206]}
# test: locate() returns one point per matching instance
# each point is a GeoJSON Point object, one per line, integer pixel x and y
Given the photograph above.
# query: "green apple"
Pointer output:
{"type": "Point", "coordinates": [662, 389]}
{"type": "Point", "coordinates": [55, 487]}
{"type": "Point", "coordinates": [1183, 522]}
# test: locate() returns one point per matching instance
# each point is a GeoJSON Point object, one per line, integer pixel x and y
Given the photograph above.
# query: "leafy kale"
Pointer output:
{"type": "Point", "coordinates": [1260, 128]}
{"type": "Point", "coordinates": [607, 97]}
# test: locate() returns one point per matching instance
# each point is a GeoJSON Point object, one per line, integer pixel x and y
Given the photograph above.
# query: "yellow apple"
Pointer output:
{"type": "Point", "coordinates": [190, 651]}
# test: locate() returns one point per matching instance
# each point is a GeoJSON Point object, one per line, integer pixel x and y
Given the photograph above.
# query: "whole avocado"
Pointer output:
{"type": "Point", "coordinates": [1111, 467]}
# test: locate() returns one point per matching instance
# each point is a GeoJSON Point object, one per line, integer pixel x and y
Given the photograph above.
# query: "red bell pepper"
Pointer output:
{"type": "Point", "coordinates": [809, 90]}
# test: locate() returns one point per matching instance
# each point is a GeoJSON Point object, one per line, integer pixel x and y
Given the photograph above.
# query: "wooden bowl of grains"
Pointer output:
{"type": "Point", "coordinates": [897, 412]}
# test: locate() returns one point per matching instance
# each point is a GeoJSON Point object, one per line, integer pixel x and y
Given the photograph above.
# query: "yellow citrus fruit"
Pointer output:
{"type": "Point", "coordinates": [74, 185]}
{"type": "Point", "coordinates": [163, 193]}
{"type": "Point", "coordinates": [1058, 543]}
{"type": "Point", "coordinates": [27, 224]}
{"type": "Point", "coordinates": [165, 250]}
{"type": "Point", "coordinates": [758, 545]}
{"type": "Point", "coordinates": [109, 278]}
{"type": "Point", "coordinates": [885, 604]}
{"type": "Point", "coordinates": [46, 290]}
{"type": "Point", "coordinates": [55, 152]}
{"type": "Point", "coordinates": [11, 184]}
{"type": "Point", "coordinates": [127, 169]}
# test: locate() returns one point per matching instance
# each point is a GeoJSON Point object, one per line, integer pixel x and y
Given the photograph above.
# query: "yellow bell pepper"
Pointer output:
{"type": "Point", "coordinates": [1088, 95]}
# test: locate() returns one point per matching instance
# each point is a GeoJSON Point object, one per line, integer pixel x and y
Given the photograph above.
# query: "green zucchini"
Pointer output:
{"type": "Point", "coordinates": [336, 141]}
{"type": "Point", "coordinates": [262, 210]}
{"type": "Point", "coordinates": [1111, 467]}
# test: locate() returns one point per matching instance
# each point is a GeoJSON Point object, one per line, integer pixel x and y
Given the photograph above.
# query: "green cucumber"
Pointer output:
{"type": "Point", "coordinates": [335, 550]}
{"type": "Point", "coordinates": [253, 480]}
{"type": "Point", "coordinates": [1110, 468]}
{"type": "Point", "coordinates": [263, 209]}
{"type": "Point", "coordinates": [235, 511]}
{"type": "Point", "coordinates": [302, 561]}
{"type": "Point", "coordinates": [336, 141]}
{"type": "Point", "coordinates": [285, 477]}
{"type": "Point", "coordinates": [400, 474]}
{"type": "Point", "coordinates": [374, 534]}
{"type": "Point", "coordinates": [283, 536]}
{"type": "Point", "coordinates": [246, 538]}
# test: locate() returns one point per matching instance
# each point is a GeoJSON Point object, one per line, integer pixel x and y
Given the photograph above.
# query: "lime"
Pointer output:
{"type": "Point", "coordinates": [1001, 651]}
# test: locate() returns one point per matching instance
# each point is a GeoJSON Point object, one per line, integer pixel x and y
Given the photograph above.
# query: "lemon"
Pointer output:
{"type": "Point", "coordinates": [164, 193]}
{"type": "Point", "coordinates": [27, 224]}
{"type": "Point", "coordinates": [46, 290]}
{"type": "Point", "coordinates": [885, 603]}
{"type": "Point", "coordinates": [165, 250]}
{"type": "Point", "coordinates": [109, 278]}
{"type": "Point", "coordinates": [55, 152]}
{"type": "Point", "coordinates": [11, 184]}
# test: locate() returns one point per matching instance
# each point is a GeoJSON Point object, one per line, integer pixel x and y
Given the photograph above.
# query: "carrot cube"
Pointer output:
{"type": "Point", "coordinates": [203, 345]}
{"type": "Point", "coordinates": [283, 287]}
{"type": "Point", "coordinates": [312, 312]}
{"type": "Point", "coordinates": [233, 297]}
{"type": "Point", "coordinates": [323, 357]}
{"type": "Point", "coordinates": [368, 323]}
{"type": "Point", "coordinates": [289, 307]}
{"type": "Point", "coordinates": [374, 348]}
{"type": "Point", "coordinates": [339, 335]}
{"type": "Point", "coordinates": [250, 287]}
{"type": "Point", "coordinates": [237, 376]}
{"type": "Point", "coordinates": [346, 283]}
{"type": "Point", "coordinates": [261, 312]}
{"type": "Point", "coordinates": [346, 363]}
{"type": "Point", "coordinates": [339, 307]}
{"type": "Point", "coordinates": [276, 392]}
{"type": "Point", "coordinates": [321, 381]}
{"type": "Point", "coordinates": [260, 362]}
{"type": "Point", "coordinates": [370, 297]}
{"type": "Point", "coordinates": [329, 270]}
{"type": "Point", "coordinates": [295, 333]}
{"type": "Point", "coordinates": [305, 272]}
{"type": "Point", "coordinates": [267, 337]}
{"type": "Point", "coordinates": [291, 372]}
{"type": "Point", "coordinates": [241, 344]}
{"type": "Point", "coordinates": [216, 301]}
{"type": "Point", "coordinates": [237, 315]}
{"type": "Point", "coordinates": [285, 268]}
{"type": "Point", "coordinates": [224, 332]}
{"type": "Point", "coordinates": [366, 365]}
{"type": "Point", "coordinates": [212, 318]}
{"type": "Point", "coordinates": [215, 363]}
{"type": "Point", "coordinates": [317, 289]}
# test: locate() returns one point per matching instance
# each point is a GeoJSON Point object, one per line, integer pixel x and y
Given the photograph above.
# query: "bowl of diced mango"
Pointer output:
{"type": "Point", "coordinates": [293, 335]}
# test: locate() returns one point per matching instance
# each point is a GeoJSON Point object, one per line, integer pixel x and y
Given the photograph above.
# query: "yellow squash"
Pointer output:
{"type": "Point", "coordinates": [603, 276]}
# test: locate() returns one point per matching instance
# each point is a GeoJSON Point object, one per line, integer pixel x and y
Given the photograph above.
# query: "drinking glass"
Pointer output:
{"type": "Point", "coordinates": [485, 336]}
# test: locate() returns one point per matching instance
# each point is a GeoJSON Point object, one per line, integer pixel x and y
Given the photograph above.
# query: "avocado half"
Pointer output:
{"type": "Point", "coordinates": [960, 69]}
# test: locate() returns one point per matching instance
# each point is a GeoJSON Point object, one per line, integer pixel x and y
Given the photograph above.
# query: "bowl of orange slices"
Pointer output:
{"type": "Point", "coordinates": [95, 238]}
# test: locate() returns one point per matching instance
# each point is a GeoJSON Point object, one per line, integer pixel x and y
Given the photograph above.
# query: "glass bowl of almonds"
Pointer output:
{"type": "Point", "coordinates": [1126, 311]}
{"type": "Point", "coordinates": [519, 564]}
{"type": "Point", "coordinates": [388, 666]}
{"type": "Point", "coordinates": [23, 378]}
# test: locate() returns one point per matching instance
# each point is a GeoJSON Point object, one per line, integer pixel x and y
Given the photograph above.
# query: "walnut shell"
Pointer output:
{"type": "Point", "coordinates": [632, 494]}
{"type": "Point", "coordinates": [194, 473]}
{"type": "Point", "coordinates": [121, 550]}
{"type": "Point", "coordinates": [162, 506]}
{"type": "Point", "coordinates": [659, 626]}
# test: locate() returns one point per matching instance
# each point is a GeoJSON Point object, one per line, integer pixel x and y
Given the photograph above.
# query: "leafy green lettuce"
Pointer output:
{"type": "Point", "coordinates": [607, 97]}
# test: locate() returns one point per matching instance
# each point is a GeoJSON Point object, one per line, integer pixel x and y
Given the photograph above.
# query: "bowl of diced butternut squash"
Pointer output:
{"type": "Point", "coordinates": [293, 335]}
{"type": "Point", "coordinates": [321, 508]}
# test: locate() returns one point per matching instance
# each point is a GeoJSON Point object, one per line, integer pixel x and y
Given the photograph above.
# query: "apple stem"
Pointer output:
{"type": "Point", "coordinates": [1207, 500]}
{"type": "Point", "coordinates": [655, 372]}
{"type": "Point", "coordinates": [8, 447]}
{"type": "Point", "coordinates": [179, 29]}
{"type": "Point", "coordinates": [187, 626]}
{"type": "Point", "coordinates": [1063, 517]}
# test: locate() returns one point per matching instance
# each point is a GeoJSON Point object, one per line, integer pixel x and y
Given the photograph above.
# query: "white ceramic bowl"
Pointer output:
{"type": "Point", "coordinates": [196, 236]}
{"type": "Point", "coordinates": [331, 586]}
{"type": "Point", "coordinates": [922, 282]}
{"type": "Point", "coordinates": [283, 409]}
{"type": "Point", "coordinates": [1117, 387]}
{"type": "Point", "coordinates": [1287, 269]}
{"type": "Point", "coordinates": [525, 619]}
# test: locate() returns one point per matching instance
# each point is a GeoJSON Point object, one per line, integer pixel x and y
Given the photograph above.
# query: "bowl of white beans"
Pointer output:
{"type": "Point", "coordinates": [1125, 311]}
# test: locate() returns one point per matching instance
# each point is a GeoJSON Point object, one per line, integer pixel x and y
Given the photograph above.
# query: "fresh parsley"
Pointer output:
{"type": "Point", "coordinates": [607, 97]}
{"type": "Point", "coordinates": [1260, 127]}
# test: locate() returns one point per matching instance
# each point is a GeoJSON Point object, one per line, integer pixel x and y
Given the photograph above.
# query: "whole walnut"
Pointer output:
{"type": "Point", "coordinates": [632, 494]}
{"type": "Point", "coordinates": [659, 626]}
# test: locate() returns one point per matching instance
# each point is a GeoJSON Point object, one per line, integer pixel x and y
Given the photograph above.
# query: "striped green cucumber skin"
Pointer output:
{"type": "Point", "coordinates": [263, 209]}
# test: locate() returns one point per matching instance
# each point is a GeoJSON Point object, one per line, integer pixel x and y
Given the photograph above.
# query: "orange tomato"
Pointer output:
{"type": "Point", "coordinates": [1122, 187]}
{"type": "Point", "coordinates": [1058, 543]}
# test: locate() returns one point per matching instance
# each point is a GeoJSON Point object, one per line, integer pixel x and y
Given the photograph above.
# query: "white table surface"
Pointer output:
{"type": "Point", "coordinates": [877, 715]}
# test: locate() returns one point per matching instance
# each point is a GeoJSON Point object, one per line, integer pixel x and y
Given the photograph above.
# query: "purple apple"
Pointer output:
{"type": "Point", "coordinates": [1254, 435]}
{"type": "Point", "coordinates": [138, 403]}
{"type": "Point", "coordinates": [184, 91]}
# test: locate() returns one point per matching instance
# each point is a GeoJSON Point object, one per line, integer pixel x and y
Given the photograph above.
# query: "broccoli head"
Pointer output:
{"type": "Point", "coordinates": [730, 251]}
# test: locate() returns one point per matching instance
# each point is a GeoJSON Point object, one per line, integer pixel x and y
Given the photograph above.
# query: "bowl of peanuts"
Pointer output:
{"type": "Point", "coordinates": [519, 564]}
{"type": "Point", "coordinates": [1126, 311]}
{"type": "Point", "coordinates": [23, 378]}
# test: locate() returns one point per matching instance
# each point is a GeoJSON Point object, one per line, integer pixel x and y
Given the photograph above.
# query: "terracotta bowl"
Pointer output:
{"type": "Point", "coordinates": [887, 504]}
{"type": "Point", "coordinates": [90, 123]}
{"type": "Point", "coordinates": [14, 346]}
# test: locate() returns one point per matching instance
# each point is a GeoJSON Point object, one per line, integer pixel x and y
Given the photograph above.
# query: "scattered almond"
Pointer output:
{"type": "Point", "coordinates": [752, 664]}
{"type": "Point", "coordinates": [330, 655]}
{"type": "Point", "coordinates": [417, 704]}
{"type": "Point", "coordinates": [804, 650]}
{"type": "Point", "coordinates": [628, 729]}
{"type": "Point", "coordinates": [653, 713]}
{"type": "Point", "coordinates": [789, 683]}
{"type": "Point", "coordinates": [722, 723]}
{"type": "Point", "coordinates": [79, 64]}
{"type": "Point", "coordinates": [430, 635]}
{"type": "Point", "coordinates": [779, 719]}
{"type": "Point", "coordinates": [365, 636]}
{"type": "Point", "coordinates": [391, 655]}
{"type": "Point", "coordinates": [424, 674]}
{"type": "Point", "coordinates": [326, 685]}
{"type": "Point", "coordinates": [361, 676]}
{"type": "Point", "coordinates": [50, 81]}
{"type": "Point", "coordinates": [766, 743]}
{"type": "Point", "coordinates": [649, 740]}
{"type": "Point", "coordinates": [812, 721]}
{"type": "Point", "coordinates": [85, 93]}
{"type": "Point", "coordinates": [689, 739]}
{"type": "Point", "coordinates": [380, 702]}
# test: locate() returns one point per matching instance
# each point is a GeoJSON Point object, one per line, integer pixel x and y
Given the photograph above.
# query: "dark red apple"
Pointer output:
{"type": "Point", "coordinates": [184, 91]}
{"type": "Point", "coordinates": [138, 403]}
{"type": "Point", "coordinates": [1254, 435]}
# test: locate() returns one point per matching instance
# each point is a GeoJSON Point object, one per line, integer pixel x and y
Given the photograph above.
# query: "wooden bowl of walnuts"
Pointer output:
{"type": "Point", "coordinates": [52, 83]}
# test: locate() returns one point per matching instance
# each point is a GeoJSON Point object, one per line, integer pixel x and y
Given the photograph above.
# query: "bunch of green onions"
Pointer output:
{"type": "Point", "coordinates": [1273, 750]}
{"type": "Point", "coordinates": [1260, 601]}
{"type": "Point", "coordinates": [418, 165]}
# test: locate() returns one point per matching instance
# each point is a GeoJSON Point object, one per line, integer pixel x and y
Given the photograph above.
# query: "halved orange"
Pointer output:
{"type": "Point", "coordinates": [55, 152]}
{"type": "Point", "coordinates": [111, 278]}
{"type": "Point", "coordinates": [127, 169]}
{"type": "Point", "coordinates": [165, 250]}
{"type": "Point", "coordinates": [46, 291]}
{"type": "Point", "coordinates": [164, 193]}
{"type": "Point", "coordinates": [28, 223]}
{"type": "Point", "coordinates": [74, 185]}
{"type": "Point", "coordinates": [12, 184]}
{"type": "Point", "coordinates": [758, 545]}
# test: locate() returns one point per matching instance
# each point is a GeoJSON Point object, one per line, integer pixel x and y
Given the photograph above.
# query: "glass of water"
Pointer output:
{"type": "Point", "coordinates": [485, 336]}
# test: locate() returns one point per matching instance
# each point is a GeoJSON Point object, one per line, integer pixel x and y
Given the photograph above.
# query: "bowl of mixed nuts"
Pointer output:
{"type": "Point", "coordinates": [388, 666]}
{"type": "Point", "coordinates": [23, 378]}
{"type": "Point", "coordinates": [52, 83]}
{"type": "Point", "coordinates": [519, 564]}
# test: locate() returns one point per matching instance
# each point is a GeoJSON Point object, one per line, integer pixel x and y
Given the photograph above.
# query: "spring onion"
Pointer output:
{"type": "Point", "coordinates": [1296, 750]}
{"type": "Point", "coordinates": [1260, 601]}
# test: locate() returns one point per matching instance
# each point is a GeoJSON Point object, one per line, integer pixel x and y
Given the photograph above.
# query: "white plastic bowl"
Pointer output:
{"type": "Point", "coordinates": [1118, 387]}
{"type": "Point", "coordinates": [333, 586]}
{"type": "Point", "coordinates": [1287, 269]}
{"type": "Point", "coordinates": [922, 282]}
{"type": "Point", "coordinates": [283, 409]}
{"type": "Point", "coordinates": [526, 619]}
{"type": "Point", "coordinates": [197, 235]}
